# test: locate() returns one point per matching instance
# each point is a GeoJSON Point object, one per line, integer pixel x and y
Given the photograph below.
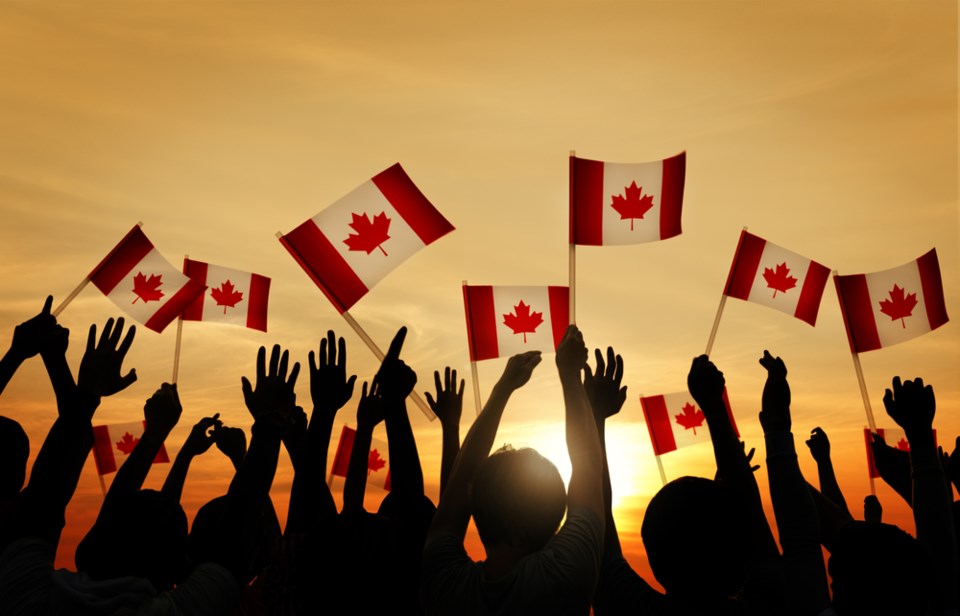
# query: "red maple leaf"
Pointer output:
{"type": "Point", "coordinates": [128, 443]}
{"type": "Point", "coordinates": [903, 445]}
{"type": "Point", "coordinates": [226, 295]}
{"type": "Point", "coordinates": [898, 306]}
{"type": "Point", "coordinates": [369, 234]}
{"type": "Point", "coordinates": [691, 418]}
{"type": "Point", "coordinates": [147, 289]}
{"type": "Point", "coordinates": [632, 204]}
{"type": "Point", "coordinates": [779, 280]}
{"type": "Point", "coordinates": [375, 462]}
{"type": "Point", "coordinates": [522, 321]}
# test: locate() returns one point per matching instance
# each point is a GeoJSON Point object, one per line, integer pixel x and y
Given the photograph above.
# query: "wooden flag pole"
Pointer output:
{"type": "Point", "coordinates": [716, 324]}
{"type": "Point", "coordinates": [863, 392]}
{"type": "Point", "coordinates": [473, 364]}
{"type": "Point", "coordinates": [103, 486]}
{"type": "Point", "coordinates": [663, 476]}
{"type": "Point", "coordinates": [176, 347]}
{"type": "Point", "coordinates": [476, 385]}
{"type": "Point", "coordinates": [71, 297]}
{"type": "Point", "coordinates": [572, 279]}
{"type": "Point", "coordinates": [414, 395]}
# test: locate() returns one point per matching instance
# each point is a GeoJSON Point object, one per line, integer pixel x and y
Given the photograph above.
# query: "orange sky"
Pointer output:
{"type": "Point", "coordinates": [827, 128]}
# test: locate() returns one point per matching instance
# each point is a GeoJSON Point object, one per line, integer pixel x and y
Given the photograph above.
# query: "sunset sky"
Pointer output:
{"type": "Point", "coordinates": [828, 128]}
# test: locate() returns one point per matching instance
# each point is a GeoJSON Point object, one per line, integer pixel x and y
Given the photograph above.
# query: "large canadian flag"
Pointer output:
{"type": "Point", "coordinates": [895, 305]}
{"type": "Point", "coordinates": [232, 296]}
{"type": "Point", "coordinates": [112, 443]}
{"type": "Point", "coordinates": [140, 281]}
{"type": "Point", "coordinates": [893, 437]}
{"type": "Point", "coordinates": [767, 274]}
{"type": "Point", "coordinates": [378, 463]}
{"type": "Point", "coordinates": [347, 248]}
{"type": "Point", "coordinates": [625, 203]}
{"type": "Point", "coordinates": [674, 421]}
{"type": "Point", "coordinates": [504, 321]}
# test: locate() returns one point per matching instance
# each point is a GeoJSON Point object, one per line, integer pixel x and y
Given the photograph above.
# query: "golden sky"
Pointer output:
{"type": "Point", "coordinates": [829, 128]}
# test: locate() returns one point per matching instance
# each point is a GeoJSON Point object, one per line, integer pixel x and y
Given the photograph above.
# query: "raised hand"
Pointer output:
{"type": "Point", "coordinates": [395, 378]}
{"type": "Point", "coordinates": [448, 405]}
{"type": "Point", "coordinates": [572, 353]}
{"type": "Point", "coordinates": [273, 399]}
{"type": "Point", "coordinates": [232, 442]}
{"type": "Point", "coordinates": [370, 408]}
{"type": "Point", "coordinates": [749, 455]}
{"type": "Point", "coordinates": [162, 410]}
{"type": "Point", "coordinates": [102, 361]}
{"type": "Point", "coordinates": [911, 404]}
{"type": "Point", "coordinates": [201, 436]}
{"type": "Point", "coordinates": [603, 386]}
{"type": "Point", "coordinates": [819, 445]}
{"type": "Point", "coordinates": [775, 413]}
{"type": "Point", "coordinates": [38, 334]}
{"type": "Point", "coordinates": [518, 370]}
{"type": "Point", "coordinates": [330, 387]}
{"type": "Point", "coordinates": [705, 382]}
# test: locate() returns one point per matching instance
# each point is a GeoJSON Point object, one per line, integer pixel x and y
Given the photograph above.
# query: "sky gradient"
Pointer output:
{"type": "Point", "coordinates": [827, 128]}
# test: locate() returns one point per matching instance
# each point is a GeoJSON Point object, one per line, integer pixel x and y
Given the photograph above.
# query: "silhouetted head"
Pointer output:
{"type": "Point", "coordinates": [517, 498]}
{"type": "Point", "coordinates": [143, 535]}
{"type": "Point", "coordinates": [879, 569]}
{"type": "Point", "coordinates": [695, 533]}
{"type": "Point", "coordinates": [14, 451]}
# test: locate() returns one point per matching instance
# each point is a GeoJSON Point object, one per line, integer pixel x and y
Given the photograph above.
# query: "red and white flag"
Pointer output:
{"type": "Point", "coordinates": [140, 281]}
{"type": "Point", "coordinates": [232, 296]}
{"type": "Point", "coordinates": [767, 274]}
{"type": "Point", "coordinates": [675, 420]}
{"type": "Point", "coordinates": [883, 308]}
{"type": "Point", "coordinates": [347, 248]}
{"type": "Point", "coordinates": [378, 464]}
{"type": "Point", "coordinates": [893, 437]}
{"type": "Point", "coordinates": [504, 321]}
{"type": "Point", "coordinates": [112, 443]}
{"type": "Point", "coordinates": [625, 203]}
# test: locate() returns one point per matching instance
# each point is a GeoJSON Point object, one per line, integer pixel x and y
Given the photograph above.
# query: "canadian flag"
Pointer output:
{"type": "Point", "coordinates": [893, 437]}
{"type": "Point", "coordinates": [112, 443]}
{"type": "Point", "coordinates": [144, 284]}
{"type": "Point", "coordinates": [504, 321]}
{"type": "Point", "coordinates": [895, 305]}
{"type": "Point", "coordinates": [674, 421]}
{"type": "Point", "coordinates": [378, 463]}
{"type": "Point", "coordinates": [232, 296]}
{"type": "Point", "coordinates": [767, 274]}
{"type": "Point", "coordinates": [625, 203]}
{"type": "Point", "coordinates": [347, 248]}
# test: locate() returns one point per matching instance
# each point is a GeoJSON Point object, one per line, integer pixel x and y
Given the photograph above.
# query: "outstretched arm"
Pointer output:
{"type": "Point", "coordinates": [369, 414]}
{"type": "Point", "coordinates": [29, 339]}
{"type": "Point", "coordinates": [819, 446]}
{"type": "Point", "coordinates": [453, 512]}
{"type": "Point", "coordinates": [448, 406]}
{"type": "Point", "coordinates": [396, 381]}
{"type": "Point", "coordinates": [912, 405]}
{"type": "Point", "coordinates": [197, 443]}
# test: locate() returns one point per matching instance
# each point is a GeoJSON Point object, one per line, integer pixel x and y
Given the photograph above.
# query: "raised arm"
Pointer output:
{"type": "Point", "coordinates": [448, 407]}
{"type": "Point", "coordinates": [819, 446]}
{"type": "Point", "coordinates": [913, 405]}
{"type": "Point", "coordinates": [28, 340]}
{"type": "Point", "coordinates": [793, 505]}
{"type": "Point", "coordinates": [369, 414]}
{"type": "Point", "coordinates": [453, 512]}
{"type": "Point", "coordinates": [894, 467]}
{"type": "Point", "coordinates": [198, 442]}
{"type": "Point", "coordinates": [396, 381]}
{"type": "Point", "coordinates": [330, 389]}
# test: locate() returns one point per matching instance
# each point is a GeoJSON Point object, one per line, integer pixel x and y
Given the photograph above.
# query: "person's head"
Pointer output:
{"type": "Point", "coordinates": [879, 569]}
{"type": "Point", "coordinates": [143, 535]}
{"type": "Point", "coordinates": [517, 498]}
{"type": "Point", "coordinates": [695, 533]}
{"type": "Point", "coordinates": [14, 451]}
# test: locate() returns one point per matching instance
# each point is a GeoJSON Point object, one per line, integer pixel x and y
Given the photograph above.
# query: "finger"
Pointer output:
{"type": "Point", "coordinates": [116, 333]}
{"type": "Point", "coordinates": [284, 362]}
{"type": "Point", "coordinates": [396, 345]}
{"type": "Point", "coordinates": [447, 382]}
{"type": "Point", "coordinates": [105, 334]}
{"type": "Point", "coordinates": [460, 391]}
{"type": "Point", "coordinates": [431, 401]}
{"type": "Point", "coordinates": [436, 381]}
{"type": "Point", "coordinates": [618, 372]}
{"type": "Point", "coordinates": [91, 338]}
{"type": "Point", "coordinates": [274, 360]}
{"type": "Point", "coordinates": [261, 363]}
{"type": "Point", "coordinates": [599, 359]}
{"type": "Point", "coordinates": [331, 348]}
{"type": "Point", "coordinates": [47, 304]}
{"type": "Point", "coordinates": [127, 341]}
{"type": "Point", "coordinates": [897, 386]}
{"type": "Point", "coordinates": [294, 373]}
{"type": "Point", "coordinates": [341, 352]}
{"type": "Point", "coordinates": [323, 352]}
{"type": "Point", "coordinates": [888, 402]}
{"type": "Point", "coordinates": [312, 358]}
{"type": "Point", "coordinates": [128, 379]}
{"type": "Point", "coordinates": [611, 362]}
{"type": "Point", "coordinates": [245, 386]}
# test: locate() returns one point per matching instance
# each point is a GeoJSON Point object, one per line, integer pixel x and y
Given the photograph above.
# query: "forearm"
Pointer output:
{"type": "Point", "coordinates": [355, 485]}
{"type": "Point", "coordinates": [60, 378]}
{"type": "Point", "coordinates": [310, 498]}
{"type": "Point", "coordinates": [611, 544]}
{"type": "Point", "coordinates": [8, 367]}
{"type": "Point", "coordinates": [131, 475]}
{"type": "Point", "coordinates": [451, 447]}
{"type": "Point", "coordinates": [583, 446]}
{"type": "Point", "coordinates": [177, 477]}
{"type": "Point", "coordinates": [406, 474]}
{"type": "Point", "coordinates": [830, 488]}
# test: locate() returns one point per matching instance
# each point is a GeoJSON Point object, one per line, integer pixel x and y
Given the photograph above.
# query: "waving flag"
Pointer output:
{"type": "Point", "coordinates": [675, 421]}
{"type": "Point", "coordinates": [504, 321]}
{"type": "Point", "coordinates": [350, 246]}
{"type": "Point", "coordinates": [232, 296]}
{"type": "Point", "coordinates": [625, 203]}
{"type": "Point", "coordinates": [883, 308]}
{"type": "Point", "coordinates": [140, 281]}
{"type": "Point", "coordinates": [767, 274]}
{"type": "Point", "coordinates": [112, 444]}
{"type": "Point", "coordinates": [378, 463]}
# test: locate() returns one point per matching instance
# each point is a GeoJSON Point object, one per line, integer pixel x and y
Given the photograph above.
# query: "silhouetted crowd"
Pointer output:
{"type": "Point", "coordinates": [549, 550]}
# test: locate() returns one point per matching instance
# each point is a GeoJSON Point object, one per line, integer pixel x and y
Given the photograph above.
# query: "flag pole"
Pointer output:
{"type": "Point", "coordinates": [572, 278]}
{"type": "Point", "coordinates": [716, 324]}
{"type": "Point", "coordinates": [863, 392]}
{"type": "Point", "coordinates": [71, 297]}
{"type": "Point", "coordinates": [663, 476]}
{"type": "Point", "coordinates": [103, 486]}
{"type": "Point", "coordinates": [473, 364]}
{"type": "Point", "coordinates": [176, 348]}
{"type": "Point", "coordinates": [414, 395]}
